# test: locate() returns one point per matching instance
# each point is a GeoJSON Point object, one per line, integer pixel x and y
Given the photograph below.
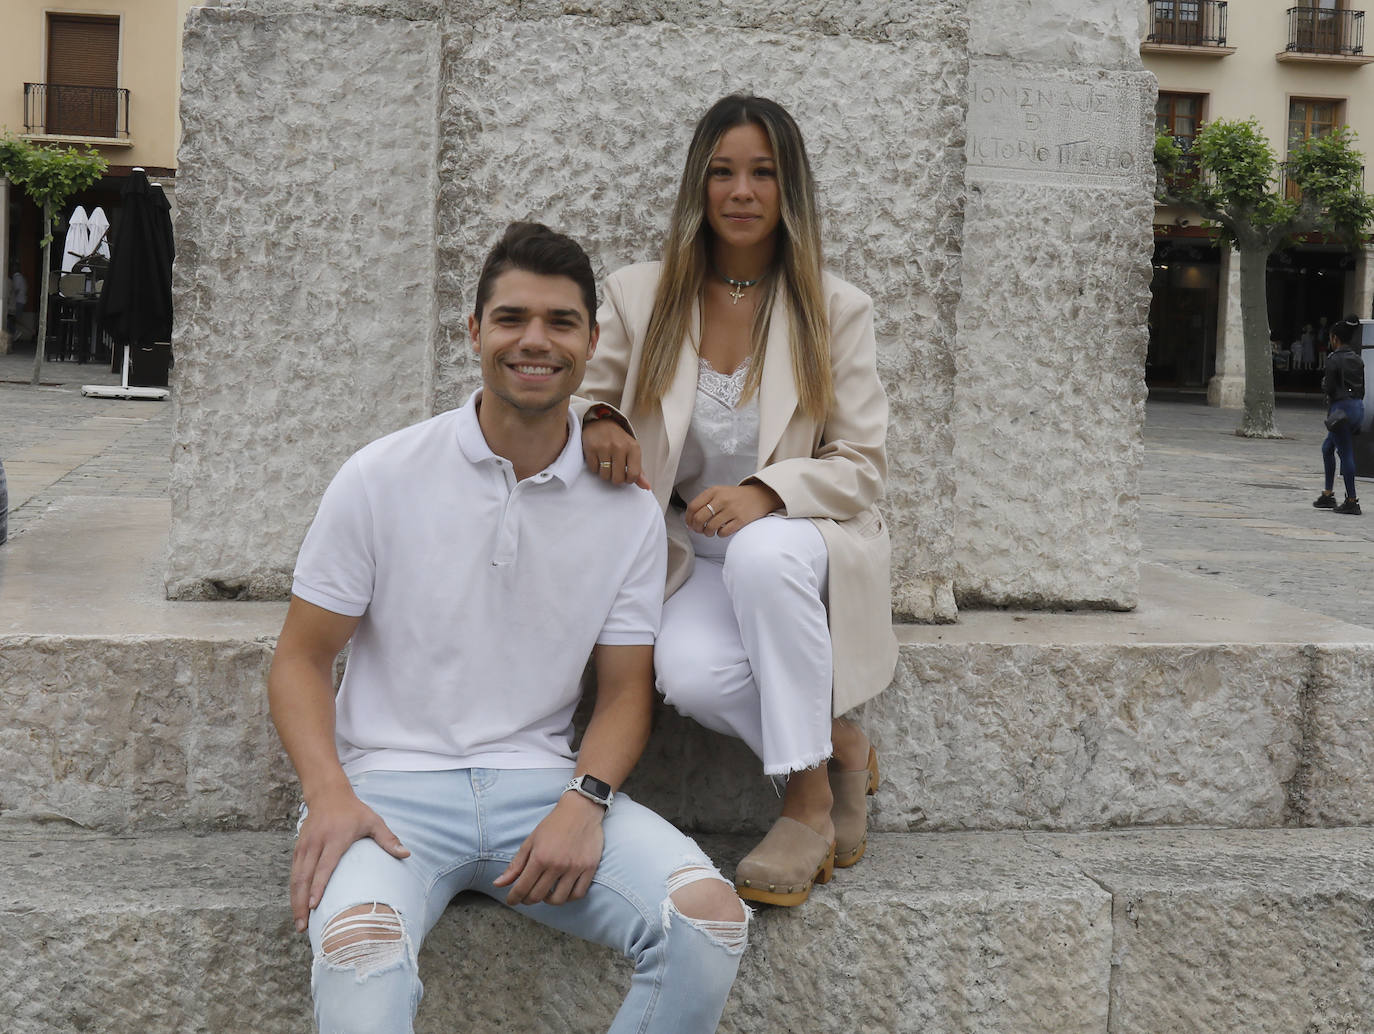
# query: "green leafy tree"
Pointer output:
{"type": "Point", "coordinates": [49, 176]}
{"type": "Point", "coordinates": [1229, 177]}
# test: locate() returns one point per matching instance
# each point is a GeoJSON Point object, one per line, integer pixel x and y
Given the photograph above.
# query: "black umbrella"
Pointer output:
{"type": "Point", "coordinates": [136, 303]}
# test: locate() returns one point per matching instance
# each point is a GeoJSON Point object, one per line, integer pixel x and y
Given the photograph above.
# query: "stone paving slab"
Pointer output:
{"type": "Point", "coordinates": [92, 566]}
{"type": "Point", "coordinates": [1239, 510]}
{"type": "Point", "coordinates": [1157, 932]}
{"type": "Point", "coordinates": [56, 443]}
{"type": "Point", "coordinates": [17, 368]}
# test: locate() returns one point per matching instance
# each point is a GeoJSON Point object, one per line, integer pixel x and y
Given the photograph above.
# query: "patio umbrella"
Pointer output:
{"type": "Point", "coordinates": [77, 243]}
{"type": "Point", "coordinates": [97, 238]}
{"type": "Point", "coordinates": [136, 305]}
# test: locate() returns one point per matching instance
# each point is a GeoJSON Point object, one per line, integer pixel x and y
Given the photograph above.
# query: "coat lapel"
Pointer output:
{"type": "Point", "coordinates": [681, 396]}
{"type": "Point", "coordinates": [777, 389]}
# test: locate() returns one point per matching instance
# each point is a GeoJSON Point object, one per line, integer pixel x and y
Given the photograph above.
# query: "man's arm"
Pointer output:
{"type": "Point", "coordinates": [300, 691]}
{"type": "Point", "coordinates": [557, 861]}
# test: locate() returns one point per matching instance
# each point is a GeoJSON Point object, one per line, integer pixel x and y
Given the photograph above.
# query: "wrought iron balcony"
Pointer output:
{"type": "Point", "coordinates": [1187, 23]}
{"type": "Point", "coordinates": [53, 109]}
{"type": "Point", "coordinates": [1322, 30]}
{"type": "Point", "coordinates": [1188, 172]}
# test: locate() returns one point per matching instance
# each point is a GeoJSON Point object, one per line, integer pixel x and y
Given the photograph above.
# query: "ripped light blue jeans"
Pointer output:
{"type": "Point", "coordinates": [462, 828]}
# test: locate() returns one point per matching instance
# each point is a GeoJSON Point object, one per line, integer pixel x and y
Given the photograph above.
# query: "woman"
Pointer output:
{"type": "Point", "coordinates": [1343, 384]}
{"type": "Point", "coordinates": [749, 377]}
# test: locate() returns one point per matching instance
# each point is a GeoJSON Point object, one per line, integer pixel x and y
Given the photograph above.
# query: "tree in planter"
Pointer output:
{"type": "Point", "coordinates": [49, 176]}
{"type": "Point", "coordinates": [1233, 188]}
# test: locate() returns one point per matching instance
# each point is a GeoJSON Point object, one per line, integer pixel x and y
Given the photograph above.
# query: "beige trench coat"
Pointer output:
{"type": "Point", "coordinates": [833, 473]}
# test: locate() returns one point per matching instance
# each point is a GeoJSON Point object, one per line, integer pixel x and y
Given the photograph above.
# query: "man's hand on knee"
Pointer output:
{"type": "Point", "coordinates": [333, 823]}
{"type": "Point", "coordinates": [557, 861]}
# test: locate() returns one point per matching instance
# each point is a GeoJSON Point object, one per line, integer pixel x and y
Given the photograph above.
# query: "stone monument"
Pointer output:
{"type": "Point", "coordinates": [345, 166]}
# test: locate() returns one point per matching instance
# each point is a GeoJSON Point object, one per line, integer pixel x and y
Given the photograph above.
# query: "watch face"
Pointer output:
{"type": "Point", "coordinates": [595, 786]}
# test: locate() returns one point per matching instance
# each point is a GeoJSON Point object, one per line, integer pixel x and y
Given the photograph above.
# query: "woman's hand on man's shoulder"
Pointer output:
{"type": "Point", "coordinates": [612, 454]}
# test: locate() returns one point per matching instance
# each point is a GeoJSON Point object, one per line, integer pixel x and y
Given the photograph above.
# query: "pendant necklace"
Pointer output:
{"type": "Point", "coordinates": [738, 285]}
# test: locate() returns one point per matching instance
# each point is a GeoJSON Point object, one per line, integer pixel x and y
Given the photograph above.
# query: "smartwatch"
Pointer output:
{"type": "Point", "coordinates": [591, 788]}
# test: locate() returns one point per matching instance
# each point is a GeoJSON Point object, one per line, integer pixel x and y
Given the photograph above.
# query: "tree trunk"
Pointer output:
{"type": "Point", "coordinates": [43, 278]}
{"type": "Point", "coordinates": [1257, 420]}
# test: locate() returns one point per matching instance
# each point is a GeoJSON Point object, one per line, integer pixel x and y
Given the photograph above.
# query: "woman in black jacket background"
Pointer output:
{"type": "Point", "coordinates": [1343, 384]}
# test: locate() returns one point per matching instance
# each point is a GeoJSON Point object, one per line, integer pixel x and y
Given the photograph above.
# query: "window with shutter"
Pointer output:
{"type": "Point", "coordinates": [83, 74]}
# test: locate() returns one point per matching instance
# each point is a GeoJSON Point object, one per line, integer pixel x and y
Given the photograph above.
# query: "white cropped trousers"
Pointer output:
{"type": "Point", "coordinates": [744, 647]}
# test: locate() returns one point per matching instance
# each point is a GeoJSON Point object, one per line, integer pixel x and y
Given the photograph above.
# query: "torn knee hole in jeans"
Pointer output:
{"type": "Point", "coordinates": [366, 939]}
{"type": "Point", "coordinates": [730, 934]}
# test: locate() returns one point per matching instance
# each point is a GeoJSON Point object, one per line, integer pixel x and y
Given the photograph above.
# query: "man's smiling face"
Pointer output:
{"type": "Point", "coordinates": [534, 339]}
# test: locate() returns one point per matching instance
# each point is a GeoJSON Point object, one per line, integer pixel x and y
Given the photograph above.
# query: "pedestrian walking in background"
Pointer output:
{"type": "Point", "coordinates": [1343, 385]}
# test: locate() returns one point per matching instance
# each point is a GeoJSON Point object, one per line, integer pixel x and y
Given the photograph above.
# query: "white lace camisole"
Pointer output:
{"type": "Point", "coordinates": [722, 443]}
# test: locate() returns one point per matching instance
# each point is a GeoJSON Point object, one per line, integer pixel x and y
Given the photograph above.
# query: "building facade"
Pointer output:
{"type": "Point", "coordinates": [1299, 68]}
{"type": "Point", "coordinates": [103, 75]}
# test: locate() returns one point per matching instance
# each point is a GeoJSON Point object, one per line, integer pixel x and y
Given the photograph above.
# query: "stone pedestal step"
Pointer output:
{"type": "Point", "coordinates": [1204, 706]}
{"type": "Point", "coordinates": [119, 733]}
{"type": "Point", "coordinates": [1145, 932]}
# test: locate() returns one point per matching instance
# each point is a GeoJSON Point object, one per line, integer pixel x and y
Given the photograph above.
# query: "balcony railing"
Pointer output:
{"type": "Point", "coordinates": [52, 109]}
{"type": "Point", "coordinates": [1291, 191]}
{"type": "Point", "coordinates": [1188, 23]}
{"type": "Point", "coordinates": [1185, 175]}
{"type": "Point", "coordinates": [1321, 30]}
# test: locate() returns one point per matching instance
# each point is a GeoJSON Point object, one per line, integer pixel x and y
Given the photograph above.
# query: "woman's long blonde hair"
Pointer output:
{"type": "Point", "coordinates": [796, 267]}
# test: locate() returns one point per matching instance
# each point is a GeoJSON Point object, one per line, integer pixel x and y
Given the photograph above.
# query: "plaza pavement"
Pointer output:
{"type": "Point", "coordinates": [1213, 505]}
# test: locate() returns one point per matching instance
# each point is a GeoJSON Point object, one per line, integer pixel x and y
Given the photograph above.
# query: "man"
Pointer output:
{"type": "Point", "coordinates": [1343, 385]}
{"type": "Point", "coordinates": [475, 565]}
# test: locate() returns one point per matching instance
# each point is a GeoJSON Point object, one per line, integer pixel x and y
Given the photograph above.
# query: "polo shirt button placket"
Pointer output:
{"type": "Point", "coordinates": [505, 531]}
{"type": "Point", "coordinates": [507, 538]}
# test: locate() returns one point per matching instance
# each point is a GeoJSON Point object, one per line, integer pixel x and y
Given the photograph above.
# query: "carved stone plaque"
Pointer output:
{"type": "Point", "coordinates": [1034, 130]}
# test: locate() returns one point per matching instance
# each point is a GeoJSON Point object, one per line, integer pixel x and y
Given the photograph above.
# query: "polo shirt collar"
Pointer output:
{"type": "Point", "coordinates": [566, 468]}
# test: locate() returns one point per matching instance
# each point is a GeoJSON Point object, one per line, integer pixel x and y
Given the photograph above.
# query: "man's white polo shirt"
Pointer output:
{"type": "Point", "coordinates": [481, 597]}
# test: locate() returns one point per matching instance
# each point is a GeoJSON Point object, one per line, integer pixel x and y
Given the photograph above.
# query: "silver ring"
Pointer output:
{"type": "Point", "coordinates": [711, 508]}
{"type": "Point", "coordinates": [605, 464]}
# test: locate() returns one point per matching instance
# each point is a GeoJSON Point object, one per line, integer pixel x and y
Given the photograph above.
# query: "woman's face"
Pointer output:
{"type": "Point", "coordinates": [742, 201]}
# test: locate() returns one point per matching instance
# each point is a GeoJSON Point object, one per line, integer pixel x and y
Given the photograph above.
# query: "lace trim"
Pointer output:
{"type": "Point", "coordinates": [723, 388]}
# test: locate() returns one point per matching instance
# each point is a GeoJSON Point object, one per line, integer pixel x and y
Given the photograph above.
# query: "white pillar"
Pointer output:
{"type": "Point", "coordinates": [1226, 389]}
{"type": "Point", "coordinates": [1359, 286]}
{"type": "Point", "coordinates": [4, 264]}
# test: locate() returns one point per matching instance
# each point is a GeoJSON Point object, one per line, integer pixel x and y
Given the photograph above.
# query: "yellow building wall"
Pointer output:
{"type": "Point", "coordinates": [149, 68]}
{"type": "Point", "coordinates": [1253, 83]}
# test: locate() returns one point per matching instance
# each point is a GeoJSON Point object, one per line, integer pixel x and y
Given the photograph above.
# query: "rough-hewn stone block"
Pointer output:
{"type": "Point", "coordinates": [1062, 33]}
{"type": "Point", "coordinates": [1233, 932]}
{"type": "Point", "coordinates": [305, 330]}
{"type": "Point", "coordinates": [1236, 931]}
{"type": "Point", "coordinates": [1335, 785]}
{"type": "Point", "coordinates": [890, 182]}
{"type": "Point", "coordinates": [930, 935]}
{"type": "Point", "coordinates": [143, 732]}
{"type": "Point", "coordinates": [304, 276]}
{"type": "Point", "coordinates": [132, 733]}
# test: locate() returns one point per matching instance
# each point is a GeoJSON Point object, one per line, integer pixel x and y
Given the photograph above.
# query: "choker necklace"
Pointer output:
{"type": "Point", "coordinates": [738, 285]}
